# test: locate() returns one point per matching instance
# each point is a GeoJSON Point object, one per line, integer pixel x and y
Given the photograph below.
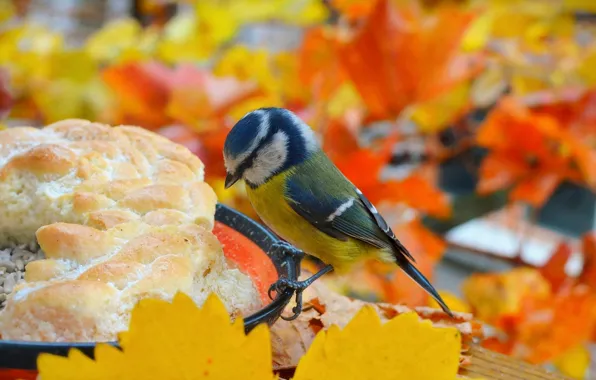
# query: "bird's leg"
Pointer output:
{"type": "Point", "coordinates": [299, 287]}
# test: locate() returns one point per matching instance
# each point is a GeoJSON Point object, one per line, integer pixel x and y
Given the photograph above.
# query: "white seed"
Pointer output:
{"type": "Point", "coordinates": [8, 265]}
{"type": "Point", "coordinates": [10, 281]}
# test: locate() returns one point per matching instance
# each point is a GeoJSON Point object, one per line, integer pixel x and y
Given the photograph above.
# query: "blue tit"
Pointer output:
{"type": "Point", "coordinates": [303, 197]}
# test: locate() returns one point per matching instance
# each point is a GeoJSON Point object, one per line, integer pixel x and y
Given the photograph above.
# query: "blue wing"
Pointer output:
{"type": "Point", "coordinates": [340, 210]}
{"type": "Point", "coordinates": [340, 213]}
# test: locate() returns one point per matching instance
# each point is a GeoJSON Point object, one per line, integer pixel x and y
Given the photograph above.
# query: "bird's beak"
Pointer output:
{"type": "Point", "coordinates": [231, 179]}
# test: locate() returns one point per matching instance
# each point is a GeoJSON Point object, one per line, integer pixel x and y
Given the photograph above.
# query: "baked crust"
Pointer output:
{"type": "Point", "coordinates": [121, 214]}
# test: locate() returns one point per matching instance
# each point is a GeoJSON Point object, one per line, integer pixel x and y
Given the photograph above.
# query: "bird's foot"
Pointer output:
{"type": "Point", "coordinates": [284, 248]}
{"type": "Point", "coordinates": [298, 287]}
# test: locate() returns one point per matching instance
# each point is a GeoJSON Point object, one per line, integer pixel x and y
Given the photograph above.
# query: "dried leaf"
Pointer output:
{"type": "Point", "coordinates": [292, 339]}
{"type": "Point", "coordinates": [172, 340]}
{"type": "Point", "coordinates": [424, 352]}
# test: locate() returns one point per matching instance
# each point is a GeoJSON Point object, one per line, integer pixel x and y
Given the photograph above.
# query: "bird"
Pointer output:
{"type": "Point", "coordinates": [299, 193]}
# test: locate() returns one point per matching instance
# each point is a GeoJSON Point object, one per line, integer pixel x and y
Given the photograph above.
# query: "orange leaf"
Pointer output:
{"type": "Point", "coordinates": [419, 240]}
{"type": "Point", "coordinates": [142, 96]}
{"type": "Point", "coordinates": [413, 56]}
{"type": "Point", "coordinates": [417, 192]}
{"type": "Point", "coordinates": [354, 9]}
{"type": "Point", "coordinates": [318, 65]}
{"type": "Point", "coordinates": [536, 189]}
{"type": "Point", "coordinates": [588, 274]}
{"type": "Point", "coordinates": [554, 269]}
{"type": "Point", "coordinates": [556, 325]}
{"type": "Point", "coordinates": [498, 172]}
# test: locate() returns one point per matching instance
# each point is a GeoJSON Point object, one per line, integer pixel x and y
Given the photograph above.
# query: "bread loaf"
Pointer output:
{"type": "Point", "coordinates": [121, 214]}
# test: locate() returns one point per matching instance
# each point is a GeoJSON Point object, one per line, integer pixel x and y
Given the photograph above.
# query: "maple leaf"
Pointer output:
{"type": "Point", "coordinates": [554, 269]}
{"type": "Point", "coordinates": [431, 43]}
{"type": "Point", "coordinates": [363, 166]}
{"type": "Point", "coordinates": [195, 36]}
{"type": "Point", "coordinates": [354, 9]}
{"type": "Point", "coordinates": [172, 340]}
{"type": "Point", "coordinates": [496, 296]}
{"type": "Point", "coordinates": [423, 352]}
{"type": "Point", "coordinates": [122, 40]}
{"type": "Point", "coordinates": [532, 150]}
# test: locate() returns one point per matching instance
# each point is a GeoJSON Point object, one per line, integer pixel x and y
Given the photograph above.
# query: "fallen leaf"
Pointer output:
{"type": "Point", "coordinates": [424, 351]}
{"type": "Point", "coordinates": [291, 339]}
{"type": "Point", "coordinates": [172, 340]}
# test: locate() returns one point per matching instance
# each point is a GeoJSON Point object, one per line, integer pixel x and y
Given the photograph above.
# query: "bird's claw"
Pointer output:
{"type": "Point", "coordinates": [297, 287]}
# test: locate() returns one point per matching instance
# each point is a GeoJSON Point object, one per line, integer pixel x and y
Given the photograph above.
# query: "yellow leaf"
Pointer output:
{"type": "Point", "coordinates": [190, 37]}
{"type": "Point", "coordinates": [574, 363]}
{"type": "Point", "coordinates": [172, 341]}
{"type": "Point", "coordinates": [301, 13]}
{"type": "Point", "coordinates": [111, 41]}
{"type": "Point", "coordinates": [488, 86]}
{"type": "Point", "coordinates": [586, 69]}
{"type": "Point", "coordinates": [403, 348]}
{"type": "Point", "coordinates": [344, 98]}
{"type": "Point", "coordinates": [7, 10]}
{"type": "Point", "coordinates": [478, 33]}
{"type": "Point", "coordinates": [246, 64]}
{"type": "Point", "coordinates": [579, 5]}
{"type": "Point", "coordinates": [454, 302]}
{"type": "Point", "coordinates": [437, 113]}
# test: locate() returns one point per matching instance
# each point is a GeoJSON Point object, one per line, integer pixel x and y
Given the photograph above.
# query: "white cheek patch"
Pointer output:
{"type": "Point", "coordinates": [262, 131]}
{"type": "Point", "coordinates": [269, 159]}
{"type": "Point", "coordinates": [341, 209]}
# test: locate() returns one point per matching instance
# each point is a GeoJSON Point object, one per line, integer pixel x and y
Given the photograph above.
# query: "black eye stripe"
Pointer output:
{"type": "Point", "coordinates": [249, 161]}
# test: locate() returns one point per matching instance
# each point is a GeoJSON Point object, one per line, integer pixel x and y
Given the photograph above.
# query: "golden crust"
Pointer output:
{"type": "Point", "coordinates": [121, 214]}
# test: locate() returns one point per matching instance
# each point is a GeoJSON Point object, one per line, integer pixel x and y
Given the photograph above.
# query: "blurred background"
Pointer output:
{"type": "Point", "coordinates": [470, 124]}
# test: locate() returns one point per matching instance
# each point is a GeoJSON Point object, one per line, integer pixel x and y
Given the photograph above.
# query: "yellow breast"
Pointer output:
{"type": "Point", "coordinates": [269, 203]}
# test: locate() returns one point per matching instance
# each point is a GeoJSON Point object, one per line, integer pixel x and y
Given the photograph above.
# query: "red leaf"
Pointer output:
{"type": "Point", "coordinates": [536, 189]}
{"type": "Point", "coordinates": [554, 269]}
{"type": "Point", "coordinates": [588, 275]}
{"type": "Point", "coordinates": [498, 172]}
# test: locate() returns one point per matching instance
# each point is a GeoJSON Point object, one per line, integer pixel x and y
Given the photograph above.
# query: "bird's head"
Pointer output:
{"type": "Point", "coordinates": [266, 142]}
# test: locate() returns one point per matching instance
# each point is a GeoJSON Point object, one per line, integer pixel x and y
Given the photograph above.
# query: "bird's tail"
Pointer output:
{"type": "Point", "coordinates": [421, 280]}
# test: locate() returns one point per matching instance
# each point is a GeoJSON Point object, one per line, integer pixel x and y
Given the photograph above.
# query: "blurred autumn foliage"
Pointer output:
{"type": "Point", "coordinates": [411, 72]}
